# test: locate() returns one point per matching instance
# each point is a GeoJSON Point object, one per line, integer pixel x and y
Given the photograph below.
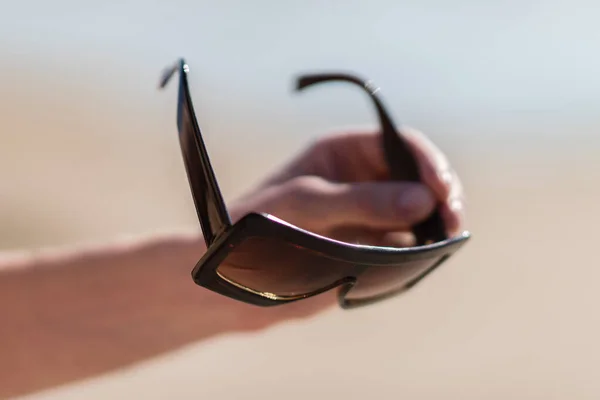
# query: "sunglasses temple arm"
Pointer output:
{"type": "Point", "coordinates": [208, 200]}
{"type": "Point", "coordinates": [399, 157]}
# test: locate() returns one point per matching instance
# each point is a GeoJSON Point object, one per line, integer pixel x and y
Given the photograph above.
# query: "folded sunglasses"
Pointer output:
{"type": "Point", "coordinates": [265, 261]}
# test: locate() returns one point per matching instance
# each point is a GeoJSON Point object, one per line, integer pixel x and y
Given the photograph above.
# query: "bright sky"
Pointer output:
{"type": "Point", "coordinates": [525, 57]}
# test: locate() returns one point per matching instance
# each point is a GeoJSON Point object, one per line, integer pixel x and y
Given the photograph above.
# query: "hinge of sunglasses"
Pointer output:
{"type": "Point", "coordinates": [218, 234]}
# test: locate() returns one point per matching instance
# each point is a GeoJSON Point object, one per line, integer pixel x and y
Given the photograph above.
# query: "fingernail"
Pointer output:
{"type": "Point", "coordinates": [415, 202]}
{"type": "Point", "coordinates": [457, 207]}
{"type": "Point", "coordinates": [446, 177]}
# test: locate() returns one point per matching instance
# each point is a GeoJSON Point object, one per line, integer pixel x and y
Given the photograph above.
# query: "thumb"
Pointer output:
{"type": "Point", "coordinates": [375, 205]}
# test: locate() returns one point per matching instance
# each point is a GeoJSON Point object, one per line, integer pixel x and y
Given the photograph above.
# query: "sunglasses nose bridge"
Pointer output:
{"type": "Point", "coordinates": [343, 290]}
{"type": "Point", "coordinates": [357, 269]}
{"type": "Point", "coordinates": [352, 276]}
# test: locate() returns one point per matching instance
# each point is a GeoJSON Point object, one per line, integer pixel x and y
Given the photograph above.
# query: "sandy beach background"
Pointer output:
{"type": "Point", "coordinates": [508, 89]}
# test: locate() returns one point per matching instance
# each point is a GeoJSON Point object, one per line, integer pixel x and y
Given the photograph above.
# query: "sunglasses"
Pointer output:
{"type": "Point", "coordinates": [265, 261]}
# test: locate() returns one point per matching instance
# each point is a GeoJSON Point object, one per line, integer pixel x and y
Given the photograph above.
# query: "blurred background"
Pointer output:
{"type": "Point", "coordinates": [509, 89]}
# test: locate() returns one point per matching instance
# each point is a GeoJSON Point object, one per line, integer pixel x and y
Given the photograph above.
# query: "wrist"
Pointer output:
{"type": "Point", "coordinates": [198, 309]}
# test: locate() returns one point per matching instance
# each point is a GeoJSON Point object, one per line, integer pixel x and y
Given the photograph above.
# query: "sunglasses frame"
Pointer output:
{"type": "Point", "coordinates": [221, 236]}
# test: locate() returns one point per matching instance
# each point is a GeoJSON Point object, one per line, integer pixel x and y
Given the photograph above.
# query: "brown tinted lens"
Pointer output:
{"type": "Point", "coordinates": [278, 268]}
{"type": "Point", "coordinates": [379, 280]}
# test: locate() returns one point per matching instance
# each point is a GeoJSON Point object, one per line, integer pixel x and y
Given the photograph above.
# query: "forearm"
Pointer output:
{"type": "Point", "coordinates": [69, 314]}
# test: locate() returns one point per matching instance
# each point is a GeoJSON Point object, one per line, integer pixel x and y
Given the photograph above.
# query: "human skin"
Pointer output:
{"type": "Point", "coordinates": [74, 312]}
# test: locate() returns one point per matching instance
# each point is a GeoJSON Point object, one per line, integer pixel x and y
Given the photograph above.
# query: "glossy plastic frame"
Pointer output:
{"type": "Point", "coordinates": [399, 158]}
{"type": "Point", "coordinates": [221, 235]}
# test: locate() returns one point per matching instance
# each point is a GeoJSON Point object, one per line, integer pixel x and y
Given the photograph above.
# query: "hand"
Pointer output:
{"type": "Point", "coordinates": [92, 304]}
{"type": "Point", "coordinates": [339, 188]}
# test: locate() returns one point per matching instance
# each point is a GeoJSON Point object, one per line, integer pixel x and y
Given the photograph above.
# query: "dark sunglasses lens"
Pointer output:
{"type": "Point", "coordinates": [276, 268]}
{"type": "Point", "coordinates": [380, 280]}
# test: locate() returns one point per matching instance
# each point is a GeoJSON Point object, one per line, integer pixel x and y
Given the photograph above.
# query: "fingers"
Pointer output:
{"type": "Point", "coordinates": [345, 156]}
{"type": "Point", "coordinates": [434, 167]}
{"type": "Point", "coordinates": [386, 206]}
{"type": "Point", "coordinates": [438, 175]}
{"type": "Point", "coordinates": [453, 216]}
{"type": "Point", "coordinates": [359, 235]}
{"type": "Point", "coordinates": [364, 148]}
{"type": "Point", "coordinates": [358, 157]}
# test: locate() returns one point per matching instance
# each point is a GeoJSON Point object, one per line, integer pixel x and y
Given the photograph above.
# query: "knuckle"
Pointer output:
{"type": "Point", "coordinates": [306, 198]}
{"type": "Point", "coordinates": [303, 191]}
{"type": "Point", "coordinates": [413, 135]}
{"type": "Point", "coordinates": [423, 144]}
{"type": "Point", "coordinates": [305, 185]}
{"type": "Point", "coordinates": [320, 144]}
